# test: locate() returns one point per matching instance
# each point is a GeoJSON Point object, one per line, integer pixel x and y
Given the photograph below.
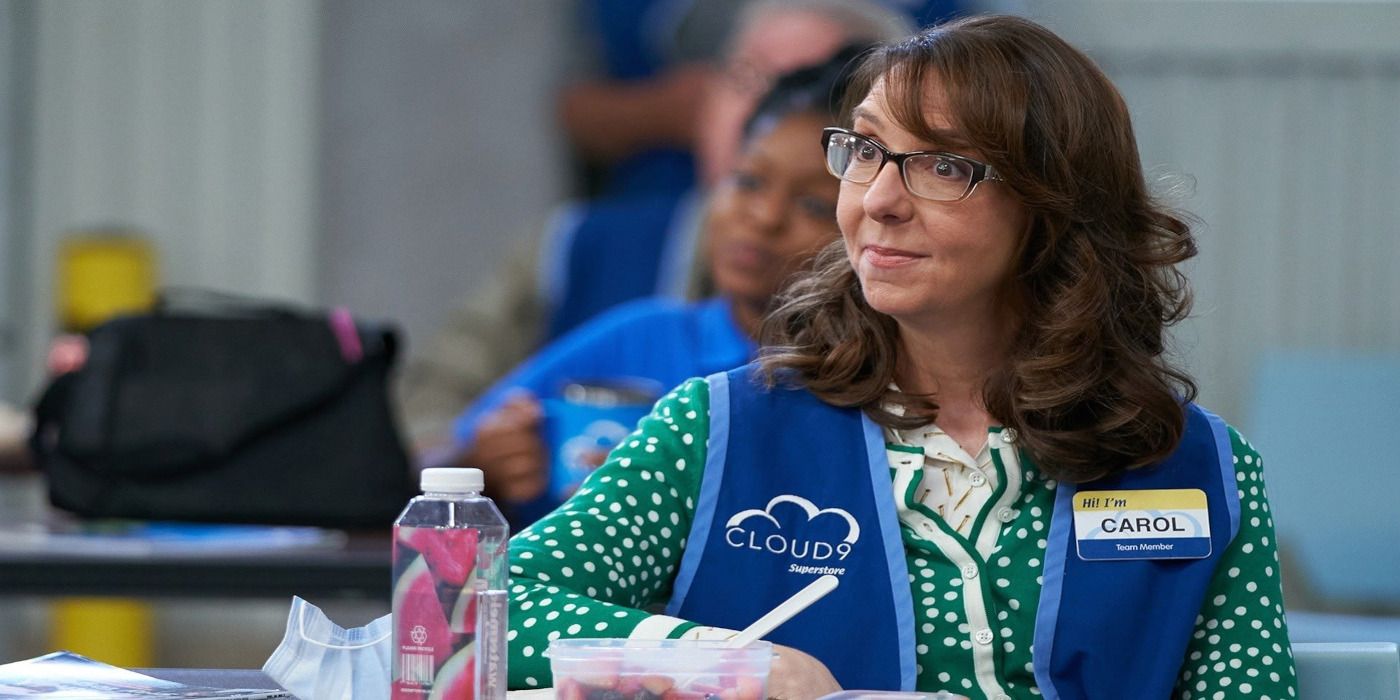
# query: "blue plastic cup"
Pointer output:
{"type": "Point", "coordinates": [587, 422]}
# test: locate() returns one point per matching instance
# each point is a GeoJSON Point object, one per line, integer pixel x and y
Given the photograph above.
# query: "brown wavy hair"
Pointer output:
{"type": "Point", "coordinates": [1086, 384]}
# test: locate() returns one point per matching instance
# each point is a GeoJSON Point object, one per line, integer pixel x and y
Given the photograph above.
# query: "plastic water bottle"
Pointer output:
{"type": "Point", "coordinates": [449, 600]}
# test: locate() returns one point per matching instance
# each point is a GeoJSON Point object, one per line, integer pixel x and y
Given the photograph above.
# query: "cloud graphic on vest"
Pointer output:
{"type": "Point", "coordinates": [807, 507]}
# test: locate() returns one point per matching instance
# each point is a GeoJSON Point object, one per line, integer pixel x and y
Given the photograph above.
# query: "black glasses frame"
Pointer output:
{"type": "Point", "coordinates": [980, 171]}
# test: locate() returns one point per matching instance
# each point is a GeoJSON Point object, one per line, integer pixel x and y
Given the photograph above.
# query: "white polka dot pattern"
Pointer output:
{"type": "Point", "coordinates": [589, 568]}
{"type": "Point", "coordinates": [1240, 648]}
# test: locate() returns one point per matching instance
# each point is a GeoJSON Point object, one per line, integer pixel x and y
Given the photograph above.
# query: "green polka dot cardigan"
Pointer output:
{"type": "Point", "coordinates": [599, 565]}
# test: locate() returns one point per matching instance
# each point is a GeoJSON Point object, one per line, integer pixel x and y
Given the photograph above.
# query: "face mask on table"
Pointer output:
{"type": "Point", "coordinates": [319, 660]}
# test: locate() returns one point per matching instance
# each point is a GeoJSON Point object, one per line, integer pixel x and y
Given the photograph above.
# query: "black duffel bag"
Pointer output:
{"type": "Point", "coordinates": [228, 411]}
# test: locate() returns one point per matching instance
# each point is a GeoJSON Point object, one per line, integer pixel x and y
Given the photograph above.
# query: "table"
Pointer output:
{"type": "Point", "coordinates": [249, 678]}
{"type": "Point", "coordinates": [360, 569]}
{"type": "Point", "coordinates": [213, 677]}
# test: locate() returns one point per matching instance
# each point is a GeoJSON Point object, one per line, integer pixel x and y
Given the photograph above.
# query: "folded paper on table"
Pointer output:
{"type": "Point", "coordinates": [70, 676]}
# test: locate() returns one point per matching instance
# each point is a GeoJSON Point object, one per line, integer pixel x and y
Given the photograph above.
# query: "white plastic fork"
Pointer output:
{"type": "Point", "coordinates": [799, 601]}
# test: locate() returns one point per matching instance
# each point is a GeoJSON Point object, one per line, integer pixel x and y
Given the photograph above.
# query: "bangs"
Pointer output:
{"type": "Point", "coordinates": [985, 114]}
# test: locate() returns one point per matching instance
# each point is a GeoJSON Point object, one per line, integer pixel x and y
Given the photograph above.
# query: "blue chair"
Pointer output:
{"type": "Point", "coordinates": [1348, 671]}
{"type": "Point", "coordinates": [1326, 423]}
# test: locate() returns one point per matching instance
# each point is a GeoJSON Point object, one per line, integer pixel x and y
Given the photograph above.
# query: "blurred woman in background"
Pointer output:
{"type": "Point", "coordinates": [773, 212]}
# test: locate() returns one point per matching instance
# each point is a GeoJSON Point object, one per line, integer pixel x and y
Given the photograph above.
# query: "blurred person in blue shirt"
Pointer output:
{"type": "Point", "coordinates": [764, 221]}
{"type": "Point", "coordinates": [605, 252]}
{"type": "Point", "coordinates": [647, 65]}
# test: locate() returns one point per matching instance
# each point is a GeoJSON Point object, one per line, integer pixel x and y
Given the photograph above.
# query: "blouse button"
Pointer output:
{"type": "Point", "coordinates": [983, 636]}
{"type": "Point", "coordinates": [977, 478]}
{"type": "Point", "coordinates": [969, 571]}
{"type": "Point", "coordinates": [1006, 515]}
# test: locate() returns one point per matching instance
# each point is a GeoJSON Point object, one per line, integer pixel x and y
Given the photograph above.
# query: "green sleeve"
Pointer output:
{"type": "Point", "coordinates": [596, 564]}
{"type": "Point", "coordinates": [1240, 645]}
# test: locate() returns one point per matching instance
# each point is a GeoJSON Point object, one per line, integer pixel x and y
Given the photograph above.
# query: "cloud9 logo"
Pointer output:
{"type": "Point", "coordinates": [823, 534]}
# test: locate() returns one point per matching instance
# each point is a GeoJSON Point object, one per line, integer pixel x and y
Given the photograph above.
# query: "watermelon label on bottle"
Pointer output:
{"type": "Point", "coordinates": [435, 611]}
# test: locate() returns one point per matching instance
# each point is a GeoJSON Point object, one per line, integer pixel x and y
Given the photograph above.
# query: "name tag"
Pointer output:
{"type": "Point", "coordinates": [1158, 524]}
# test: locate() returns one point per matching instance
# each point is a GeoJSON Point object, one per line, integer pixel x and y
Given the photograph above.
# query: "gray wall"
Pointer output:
{"type": "Point", "coordinates": [16, 23]}
{"type": "Point", "coordinates": [1275, 124]}
{"type": "Point", "coordinates": [378, 155]}
{"type": "Point", "coordinates": [193, 122]}
{"type": "Point", "coordinates": [438, 148]}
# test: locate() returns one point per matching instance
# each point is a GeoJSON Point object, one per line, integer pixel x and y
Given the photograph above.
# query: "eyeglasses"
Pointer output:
{"type": "Point", "coordinates": [941, 177]}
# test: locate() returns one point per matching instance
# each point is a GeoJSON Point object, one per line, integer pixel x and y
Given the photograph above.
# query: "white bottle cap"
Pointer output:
{"type": "Point", "coordinates": [451, 480]}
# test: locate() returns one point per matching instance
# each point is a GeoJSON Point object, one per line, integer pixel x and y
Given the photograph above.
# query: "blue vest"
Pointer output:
{"type": "Point", "coordinates": [794, 488]}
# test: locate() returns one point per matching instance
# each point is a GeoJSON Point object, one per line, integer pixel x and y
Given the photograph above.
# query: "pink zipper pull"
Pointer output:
{"type": "Point", "coordinates": [343, 325]}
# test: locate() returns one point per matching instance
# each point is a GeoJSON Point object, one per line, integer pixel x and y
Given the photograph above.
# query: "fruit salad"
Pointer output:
{"type": "Point", "coordinates": [626, 669]}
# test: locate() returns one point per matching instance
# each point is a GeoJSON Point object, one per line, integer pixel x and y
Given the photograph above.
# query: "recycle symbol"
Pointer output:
{"type": "Point", "coordinates": [418, 634]}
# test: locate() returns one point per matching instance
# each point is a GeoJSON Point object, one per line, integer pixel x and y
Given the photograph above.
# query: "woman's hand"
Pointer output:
{"type": "Point", "coordinates": [509, 451]}
{"type": "Point", "coordinates": [797, 676]}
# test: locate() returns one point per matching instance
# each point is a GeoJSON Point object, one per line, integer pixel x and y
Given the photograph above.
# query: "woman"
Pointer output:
{"type": "Point", "coordinates": [965, 415]}
{"type": "Point", "coordinates": [772, 214]}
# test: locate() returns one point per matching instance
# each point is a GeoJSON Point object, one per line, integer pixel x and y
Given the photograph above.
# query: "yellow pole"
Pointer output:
{"type": "Point", "coordinates": [115, 631]}
{"type": "Point", "coordinates": [101, 274]}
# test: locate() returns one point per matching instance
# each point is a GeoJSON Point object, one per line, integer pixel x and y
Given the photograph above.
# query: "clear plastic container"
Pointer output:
{"type": "Point", "coordinates": [449, 603]}
{"type": "Point", "coordinates": [636, 669]}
